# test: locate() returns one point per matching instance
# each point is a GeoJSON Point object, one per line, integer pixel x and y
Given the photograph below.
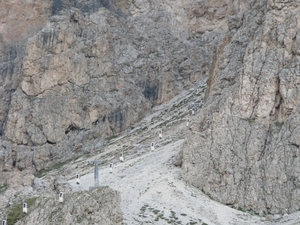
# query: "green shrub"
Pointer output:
{"type": "Point", "coordinates": [3, 188]}
{"type": "Point", "coordinates": [278, 124]}
{"type": "Point", "coordinates": [111, 137]}
{"type": "Point", "coordinates": [16, 213]}
{"type": "Point", "coordinates": [43, 172]}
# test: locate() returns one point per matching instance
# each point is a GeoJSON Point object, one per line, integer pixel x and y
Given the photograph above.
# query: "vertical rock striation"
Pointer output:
{"type": "Point", "coordinates": [243, 149]}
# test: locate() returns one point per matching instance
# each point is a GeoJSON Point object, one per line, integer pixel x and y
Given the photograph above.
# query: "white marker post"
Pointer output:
{"type": "Point", "coordinates": [25, 208]}
{"type": "Point", "coordinates": [152, 146]}
{"type": "Point", "coordinates": [61, 197]}
{"type": "Point", "coordinates": [121, 157]}
{"type": "Point", "coordinates": [3, 222]}
{"type": "Point", "coordinates": [160, 134]}
{"type": "Point", "coordinates": [193, 112]}
{"type": "Point", "coordinates": [188, 122]}
{"type": "Point", "coordinates": [111, 167]}
{"type": "Point", "coordinates": [77, 179]}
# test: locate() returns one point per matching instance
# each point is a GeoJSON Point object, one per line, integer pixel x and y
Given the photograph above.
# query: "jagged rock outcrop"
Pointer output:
{"type": "Point", "coordinates": [101, 206]}
{"type": "Point", "coordinates": [243, 150]}
{"type": "Point", "coordinates": [88, 70]}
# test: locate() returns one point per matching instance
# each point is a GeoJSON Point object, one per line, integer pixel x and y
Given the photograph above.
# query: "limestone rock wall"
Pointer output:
{"type": "Point", "coordinates": [78, 72]}
{"type": "Point", "coordinates": [97, 207]}
{"type": "Point", "coordinates": [243, 149]}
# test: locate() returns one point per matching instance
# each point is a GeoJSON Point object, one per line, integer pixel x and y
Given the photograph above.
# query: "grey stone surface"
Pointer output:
{"type": "Point", "coordinates": [75, 73]}
{"type": "Point", "coordinates": [243, 149]}
{"type": "Point", "coordinates": [102, 206]}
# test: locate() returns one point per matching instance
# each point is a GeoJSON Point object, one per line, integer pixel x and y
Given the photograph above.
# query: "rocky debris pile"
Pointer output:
{"type": "Point", "coordinates": [101, 206]}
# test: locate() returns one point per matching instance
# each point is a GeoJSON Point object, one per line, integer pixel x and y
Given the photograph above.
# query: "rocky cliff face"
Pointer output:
{"type": "Point", "coordinates": [244, 148]}
{"type": "Point", "coordinates": [75, 73]}
{"type": "Point", "coordinates": [79, 72]}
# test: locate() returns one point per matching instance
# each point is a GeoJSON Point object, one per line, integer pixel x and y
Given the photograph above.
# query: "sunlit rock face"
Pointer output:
{"type": "Point", "coordinates": [243, 149]}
